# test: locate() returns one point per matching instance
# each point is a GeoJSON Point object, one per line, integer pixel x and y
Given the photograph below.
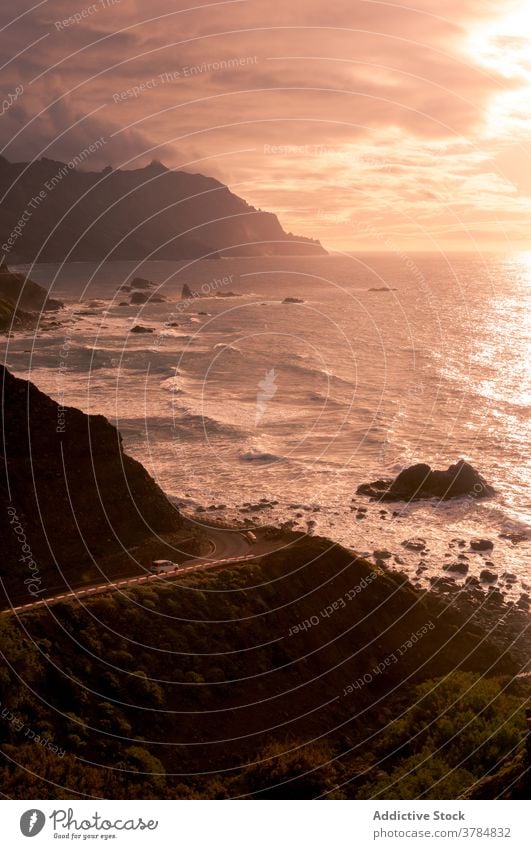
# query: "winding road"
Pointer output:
{"type": "Point", "coordinates": [227, 547]}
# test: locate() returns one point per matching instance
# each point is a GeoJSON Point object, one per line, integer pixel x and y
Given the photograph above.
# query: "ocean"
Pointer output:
{"type": "Point", "coordinates": [245, 408]}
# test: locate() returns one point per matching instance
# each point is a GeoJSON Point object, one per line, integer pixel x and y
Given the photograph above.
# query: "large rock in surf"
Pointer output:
{"type": "Point", "coordinates": [139, 298]}
{"type": "Point", "coordinates": [141, 283]}
{"type": "Point", "coordinates": [421, 481]}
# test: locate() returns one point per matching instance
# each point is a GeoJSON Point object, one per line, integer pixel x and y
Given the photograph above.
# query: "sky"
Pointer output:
{"type": "Point", "coordinates": [369, 125]}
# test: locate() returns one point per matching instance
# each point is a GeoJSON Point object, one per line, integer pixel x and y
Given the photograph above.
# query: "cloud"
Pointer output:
{"type": "Point", "coordinates": [218, 84]}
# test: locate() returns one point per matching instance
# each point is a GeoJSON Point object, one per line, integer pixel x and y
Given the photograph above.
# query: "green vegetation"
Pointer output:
{"type": "Point", "coordinates": [197, 690]}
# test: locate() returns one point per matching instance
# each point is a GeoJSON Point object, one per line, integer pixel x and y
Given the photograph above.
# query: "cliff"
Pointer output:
{"type": "Point", "coordinates": [52, 212]}
{"type": "Point", "coordinates": [70, 498]}
{"type": "Point", "coordinates": [21, 300]}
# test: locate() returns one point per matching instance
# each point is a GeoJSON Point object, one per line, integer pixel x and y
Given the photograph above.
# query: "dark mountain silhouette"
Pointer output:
{"type": "Point", "coordinates": [68, 492]}
{"type": "Point", "coordinates": [51, 212]}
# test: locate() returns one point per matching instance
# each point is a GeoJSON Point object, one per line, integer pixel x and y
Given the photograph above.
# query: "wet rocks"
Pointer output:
{"type": "Point", "coordinates": [414, 544]}
{"type": "Point", "coordinates": [472, 581]}
{"type": "Point", "coordinates": [509, 577]}
{"type": "Point", "coordinates": [458, 568]}
{"type": "Point", "coordinates": [487, 576]}
{"type": "Point", "coordinates": [374, 489]}
{"type": "Point", "coordinates": [141, 283]}
{"type": "Point", "coordinates": [514, 536]}
{"type": "Point", "coordinates": [421, 481]}
{"type": "Point", "coordinates": [139, 298]}
{"type": "Point", "coordinates": [382, 554]}
{"type": "Point", "coordinates": [138, 328]}
{"type": "Point", "coordinates": [481, 545]}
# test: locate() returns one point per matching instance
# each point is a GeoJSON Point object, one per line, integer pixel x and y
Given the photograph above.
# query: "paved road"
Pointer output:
{"type": "Point", "coordinates": [227, 547]}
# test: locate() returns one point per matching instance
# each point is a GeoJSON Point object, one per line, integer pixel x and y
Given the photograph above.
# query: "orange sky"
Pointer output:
{"type": "Point", "coordinates": [366, 124]}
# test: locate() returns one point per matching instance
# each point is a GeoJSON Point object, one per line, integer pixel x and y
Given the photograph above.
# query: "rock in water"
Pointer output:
{"type": "Point", "coordinates": [458, 568]}
{"type": "Point", "coordinates": [415, 544]}
{"type": "Point", "coordinates": [141, 283]}
{"type": "Point", "coordinates": [421, 481]}
{"type": "Point", "coordinates": [481, 545]}
{"type": "Point", "coordinates": [139, 298]}
{"type": "Point", "coordinates": [487, 576]}
{"type": "Point", "coordinates": [186, 292]}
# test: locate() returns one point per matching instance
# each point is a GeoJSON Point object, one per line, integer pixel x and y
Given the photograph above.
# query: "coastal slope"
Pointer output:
{"type": "Point", "coordinates": [309, 673]}
{"type": "Point", "coordinates": [71, 499]}
{"type": "Point", "coordinates": [22, 301]}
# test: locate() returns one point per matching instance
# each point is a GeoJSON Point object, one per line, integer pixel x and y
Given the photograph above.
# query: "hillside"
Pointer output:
{"type": "Point", "coordinates": [69, 494]}
{"type": "Point", "coordinates": [149, 212]}
{"type": "Point", "coordinates": [22, 301]}
{"type": "Point", "coordinates": [257, 680]}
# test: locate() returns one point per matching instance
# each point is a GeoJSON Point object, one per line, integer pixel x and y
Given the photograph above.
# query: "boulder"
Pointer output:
{"type": "Point", "coordinates": [293, 301]}
{"type": "Point", "coordinates": [487, 576]}
{"type": "Point", "coordinates": [138, 328]}
{"type": "Point", "coordinates": [458, 568]}
{"type": "Point", "coordinates": [139, 298]}
{"type": "Point", "coordinates": [141, 283]}
{"type": "Point", "coordinates": [514, 536]}
{"type": "Point", "coordinates": [412, 479]}
{"type": "Point", "coordinates": [415, 544]}
{"type": "Point", "coordinates": [481, 545]}
{"type": "Point", "coordinates": [375, 489]}
{"type": "Point", "coordinates": [472, 581]}
{"type": "Point", "coordinates": [421, 481]}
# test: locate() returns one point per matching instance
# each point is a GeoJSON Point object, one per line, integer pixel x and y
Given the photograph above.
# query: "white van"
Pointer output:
{"type": "Point", "coordinates": [158, 567]}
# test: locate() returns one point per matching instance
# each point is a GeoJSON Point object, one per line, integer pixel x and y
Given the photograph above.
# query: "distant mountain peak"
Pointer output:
{"type": "Point", "coordinates": [157, 166]}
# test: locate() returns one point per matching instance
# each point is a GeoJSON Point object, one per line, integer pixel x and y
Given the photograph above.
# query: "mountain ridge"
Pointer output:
{"type": "Point", "coordinates": [152, 212]}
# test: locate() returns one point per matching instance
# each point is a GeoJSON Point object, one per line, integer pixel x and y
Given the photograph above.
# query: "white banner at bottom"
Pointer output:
{"type": "Point", "coordinates": [206, 824]}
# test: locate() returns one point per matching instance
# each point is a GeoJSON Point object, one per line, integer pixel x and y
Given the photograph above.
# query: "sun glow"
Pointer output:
{"type": "Point", "coordinates": [504, 47]}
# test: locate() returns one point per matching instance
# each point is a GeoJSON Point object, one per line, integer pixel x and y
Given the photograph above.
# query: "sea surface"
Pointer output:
{"type": "Point", "coordinates": [237, 399]}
